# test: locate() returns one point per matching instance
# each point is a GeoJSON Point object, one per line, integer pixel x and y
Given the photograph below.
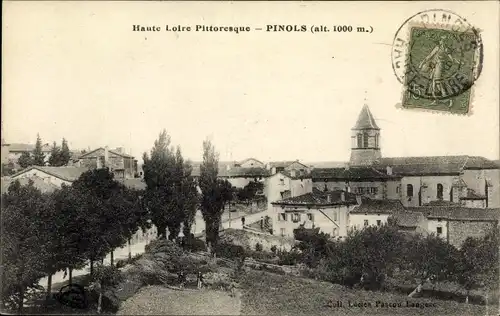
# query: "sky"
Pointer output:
{"type": "Point", "coordinates": [77, 70]}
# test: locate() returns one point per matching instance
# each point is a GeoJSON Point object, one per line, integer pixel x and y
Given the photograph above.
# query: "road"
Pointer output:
{"type": "Point", "coordinates": [232, 220]}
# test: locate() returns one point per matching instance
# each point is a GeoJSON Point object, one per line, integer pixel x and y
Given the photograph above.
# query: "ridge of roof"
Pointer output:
{"type": "Point", "coordinates": [109, 151]}
{"type": "Point", "coordinates": [66, 173]}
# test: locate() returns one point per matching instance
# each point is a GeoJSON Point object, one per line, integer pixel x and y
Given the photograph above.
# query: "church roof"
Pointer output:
{"type": "Point", "coordinates": [365, 120]}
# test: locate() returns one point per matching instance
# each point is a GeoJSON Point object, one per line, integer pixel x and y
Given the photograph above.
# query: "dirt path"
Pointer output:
{"type": "Point", "coordinates": [156, 300]}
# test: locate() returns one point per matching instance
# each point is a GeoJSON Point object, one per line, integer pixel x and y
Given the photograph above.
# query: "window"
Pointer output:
{"type": "Point", "coordinates": [360, 140]}
{"type": "Point", "coordinates": [366, 222]}
{"type": "Point", "coordinates": [335, 216]}
{"type": "Point", "coordinates": [365, 140]}
{"type": "Point", "coordinates": [397, 189]}
{"type": "Point", "coordinates": [439, 219]}
{"type": "Point", "coordinates": [373, 190]}
{"type": "Point", "coordinates": [409, 190]}
{"type": "Point", "coordinates": [439, 191]}
{"type": "Point", "coordinates": [335, 232]}
{"type": "Point", "coordinates": [379, 222]}
{"type": "Point", "coordinates": [282, 217]}
{"type": "Point", "coordinates": [282, 181]}
{"type": "Point", "coordinates": [282, 231]}
{"type": "Point", "coordinates": [295, 217]}
{"type": "Point", "coordinates": [376, 141]}
{"type": "Point", "coordinates": [439, 230]}
{"type": "Point", "coordinates": [310, 217]}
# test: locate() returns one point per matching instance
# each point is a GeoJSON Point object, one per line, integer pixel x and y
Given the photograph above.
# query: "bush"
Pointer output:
{"type": "Point", "coordinates": [274, 249]}
{"type": "Point", "coordinates": [289, 257]}
{"type": "Point", "coordinates": [229, 251]}
{"type": "Point", "coordinates": [195, 245]}
{"type": "Point", "coordinates": [258, 247]}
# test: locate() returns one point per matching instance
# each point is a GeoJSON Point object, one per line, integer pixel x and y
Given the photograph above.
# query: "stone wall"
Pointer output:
{"type": "Point", "coordinates": [458, 231]}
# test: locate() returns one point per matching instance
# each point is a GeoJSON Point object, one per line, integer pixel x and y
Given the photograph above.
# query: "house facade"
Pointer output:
{"type": "Point", "coordinates": [120, 163]}
{"type": "Point", "coordinates": [327, 211]}
{"type": "Point", "coordinates": [52, 175]}
{"type": "Point", "coordinates": [373, 212]}
{"type": "Point", "coordinates": [284, 184]}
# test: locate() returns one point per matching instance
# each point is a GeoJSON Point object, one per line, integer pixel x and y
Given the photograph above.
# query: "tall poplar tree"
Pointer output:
{"type": "Point", "coordinates": [38, 155]}
{"type": "Point", "coordinates": [215, 193]}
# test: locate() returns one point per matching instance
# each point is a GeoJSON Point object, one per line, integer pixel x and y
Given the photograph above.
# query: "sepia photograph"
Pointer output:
{"type": "Point", "coordinates": [250, 158]}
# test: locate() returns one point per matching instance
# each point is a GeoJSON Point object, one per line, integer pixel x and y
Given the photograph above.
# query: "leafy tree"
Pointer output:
{"type": "Point", "coordinates": [64, 155]}
{"type": "Point", "coordinates": [171, 194]}
{"type": "Point", "coordinates": [248, 192]}
{"type": "Point", "coordinates": [430, 258]}
{"type": "Point", "coordinates": [8, 169]}
{"type": "Point", "coordinates": [215, 194]}
{"type": "Point", "coordinates": [25, 160]}
{"type": "Point", "coordinates": [22, 231]}
{"type": "Point", "coordinates": [111, 211]}
{"type": "Point", "coordinates": [55, 155]}
{"type": "Point", "coordinates": [158, 177]}
{"type": "Point", "coordinates": [478, 267]}
{"type": "Point", "coordinates": [38, 155]}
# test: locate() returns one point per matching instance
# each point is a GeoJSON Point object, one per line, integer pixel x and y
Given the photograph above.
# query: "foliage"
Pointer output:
{"type": "Point", "coordinates": [55, 153]}
{"type": "Point", "coordinates": [478, 266]}
{"type": "Point", "coordinates": [38, 155]}
{"type": "Point", "coordinates": [274, 249]}
{"type": "Point", "coordinates": [215, 194]}
{"type": "Point", "coordinates": [194, 244]}
{"type": "Point", "coordinates": [59, 156]}
{"type": "Point", "coordinates": [430, 258]}
{"type": "Point", "coordinates": [171, 196]}
{"type": "Point", "coordinates": [8, 169]}
{"type": "Point", "coordinates": [25, 160]}
{"type": "Point", "coordinates": [249, 192]}
{"type": "Point", "coordinates": [258, 247]}
{"type": "Point", "coordinates": [230, 251]}
{"type": "Point", "coordinates": [314, 245]}
{"type": "Point", "coordinates": [289, 257]}
{"type": "Point", "coordinates": [22, 231]}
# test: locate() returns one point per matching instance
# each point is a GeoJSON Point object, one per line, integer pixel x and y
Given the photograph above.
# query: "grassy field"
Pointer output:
{"type": "Point", "coordinates": [265, 293]}
{"type": "Point", "coordinates": [157, 300]}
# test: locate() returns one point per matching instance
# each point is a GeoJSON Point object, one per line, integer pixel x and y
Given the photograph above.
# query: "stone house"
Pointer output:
{"type": "Point", "coordinates": [327, 211]}
{"type": "Point", "coordinates": [278, 166]}
{"type": "Point", "coordinates": [120, 163]}
{"type": "Point", "coordinates": [286, 184]}
{"type": "Point", "coordinates": [373, 212]}
{"type": "Point", "coordinates": [53, 175]}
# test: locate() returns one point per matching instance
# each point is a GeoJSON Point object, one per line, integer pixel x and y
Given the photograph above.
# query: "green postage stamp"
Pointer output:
{"type": "Point", "coordinates": [437, 56]}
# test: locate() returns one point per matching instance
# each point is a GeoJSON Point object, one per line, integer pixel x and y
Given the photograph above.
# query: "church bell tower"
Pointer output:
{"type": "Point", "coordinates": [365, 138]}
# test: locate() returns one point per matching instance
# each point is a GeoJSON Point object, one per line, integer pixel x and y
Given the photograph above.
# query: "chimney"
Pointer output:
{"type": "Point", "coordinates": [389, 171]}
{"type": "Point", "coordinates": [342, 196]}
{"type": "Point", "coordinates": [106, 156]}
{"type": "Point", "coordinates": [358, 199]}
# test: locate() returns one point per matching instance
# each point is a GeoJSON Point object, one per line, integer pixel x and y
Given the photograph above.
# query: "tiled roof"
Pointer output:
{"type": "Point", "coordinates": [20, 147]}
{"type": "Point", "coordinates": [353, 173]}
{"type": "Point", "coordinates": [245, 160]}
{"type": "Point", "coordinates": [365, 120]}
{"type": "Point", "coordinates": [280, 164]}
{"type": "Point", "coordinates": [296, 175]}
{"type": "Point", "coordinates": [441, 203]}
{"type": "Point", "coordinates": [414, 166]}
{"type": "Point", "coordinates": [320, 199]}
{"type": "Point", "coordinates": [372, 206]}
{"type": "Point", "coordinates": [37, 182]}
{"type": "Point", "coordinates": [134, 183]}
{"type": "Point", "coordinates": [327, 164]}
{"type": "Point", "coordinates": [408, 219]}
{"type": "Point", "coordinates": [89, 154]}
{"type": "Point", "coordinates": [234, 172]}
{"type": "Point", "coordinates": [65, 173]}
{"type": "Point", "coordinates": [472, 195]}
{"type": "Point", "coordinates": [459, 213]}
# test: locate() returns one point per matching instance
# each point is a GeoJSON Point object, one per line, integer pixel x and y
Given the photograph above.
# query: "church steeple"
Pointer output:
{"type": "Point", "coordinates": [365, 149]}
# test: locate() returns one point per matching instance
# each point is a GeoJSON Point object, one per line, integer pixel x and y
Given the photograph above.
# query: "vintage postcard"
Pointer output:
{"type": "Point", "coordinates": [250, 158]}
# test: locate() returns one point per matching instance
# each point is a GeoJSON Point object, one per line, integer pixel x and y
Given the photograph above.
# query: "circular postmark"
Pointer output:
{"type": "Point", "coordinates": [437, 55]}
